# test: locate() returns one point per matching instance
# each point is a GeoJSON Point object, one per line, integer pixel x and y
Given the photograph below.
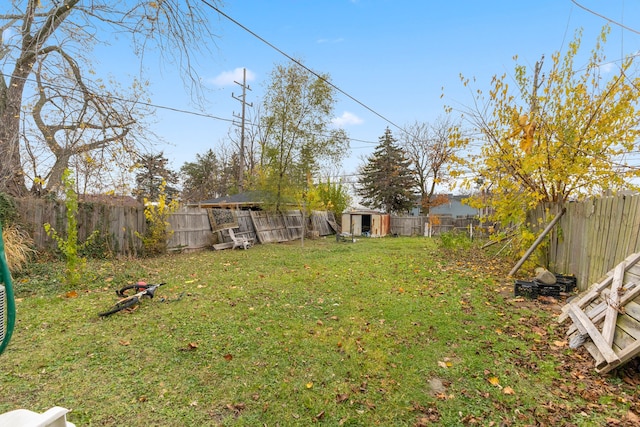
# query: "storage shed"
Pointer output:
{"type": "Point", "coordinates": [366, 223]}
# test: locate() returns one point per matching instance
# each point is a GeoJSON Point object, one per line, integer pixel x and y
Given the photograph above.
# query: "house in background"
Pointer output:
{"type": "Point", "coordinates": [366, 223]}
{"type": "Point", "coordinates": [454, 207]}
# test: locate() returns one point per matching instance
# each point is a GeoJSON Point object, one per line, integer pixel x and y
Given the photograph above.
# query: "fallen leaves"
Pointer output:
{"type": "Point", "coordinates": [508, 390]}
{"type": "Point", "coordinates": [632, 417]}
{"type": "Point", "coordinates": [343, 397]}
{"type": "Point", "coordinates": [427, 415]}
{"type": "Point", "coordinates": [236, 408]}
{"type": "Point", "coordinates": [190, 347]}
{"type": "Point", "coordinates": [444, 365]}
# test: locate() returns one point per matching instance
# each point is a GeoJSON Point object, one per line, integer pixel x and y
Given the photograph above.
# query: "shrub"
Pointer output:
{"type": "Point", "coordinates": [158, 232]}
{"type": "Point", "coordinates": [8, 210]}
{"type": "Point", "coordinates": [453, 240]}
{"type": "Point", "coordinates": [69, 246]}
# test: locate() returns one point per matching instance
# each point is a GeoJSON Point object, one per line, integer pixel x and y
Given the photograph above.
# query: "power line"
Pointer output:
{"type": "Point", "coordinates": [165, 107]}
{"type": "Point", "coordinates": [604, 17]}
{"type": "Point", "coordinates": [117, 98]}
{"type": "Point", "coordinates": [300, 64]}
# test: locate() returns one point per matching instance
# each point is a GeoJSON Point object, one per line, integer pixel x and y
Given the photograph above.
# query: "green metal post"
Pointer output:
{"type": "Point", "coordinates": [10, 307]}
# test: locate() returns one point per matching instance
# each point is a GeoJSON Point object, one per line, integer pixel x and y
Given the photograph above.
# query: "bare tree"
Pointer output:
{"type": "Point", "coordinates": [74, 119]}
{"type": "Point", "coordinates": [430, 149]}
{"type": "Point", "coordinates": [33, 29]}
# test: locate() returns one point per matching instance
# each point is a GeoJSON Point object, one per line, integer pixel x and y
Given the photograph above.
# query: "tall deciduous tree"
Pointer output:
{"type": "Point", "coordinates": [74, 118]}
{"type": "Point", "coordinates": [297, 137]}
{"type": "Point", "coordinates": [562, 134]}
{"type": "Point", "coordinates": [32, 29]}
{"type": "Point", "coordinates": [430, 148]}
{"type": "Point", "coordinates": [210, 176]}
{"type": "Point", "coordinates": [385, 180]}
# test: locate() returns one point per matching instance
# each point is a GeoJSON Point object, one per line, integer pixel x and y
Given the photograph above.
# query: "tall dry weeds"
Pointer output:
{"type": "Point", "coordinates": [18, 247]}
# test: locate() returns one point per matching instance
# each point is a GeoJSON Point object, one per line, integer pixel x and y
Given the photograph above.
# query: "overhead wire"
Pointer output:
{"type": "Point", "coordinates": [621, 25]}
{"type": "Point", "coordinates": [163, 107]}
{"type": "Point", "coordinates": [297, 62]}
{"type": "Point", "coordinates": [300, 64]}
{"type": "Point", "coordinates": [117, 98]}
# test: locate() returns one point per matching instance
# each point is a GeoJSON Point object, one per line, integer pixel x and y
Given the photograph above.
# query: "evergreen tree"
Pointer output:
{"type": "Point", "coordinates": [385, 180]}
{"type": "Point", "coordinates": [153, 171]}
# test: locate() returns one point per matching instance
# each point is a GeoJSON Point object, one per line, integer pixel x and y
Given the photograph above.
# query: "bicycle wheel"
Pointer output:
{"type": "Point", "coordinates": [137, 288]}
{"type": "Point", "coordinates": [121, 305]}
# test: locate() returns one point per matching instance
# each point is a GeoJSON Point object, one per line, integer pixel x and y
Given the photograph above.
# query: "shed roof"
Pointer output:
{"type": "Point", "coordinates": [247, 199]}
{"type": "Point", "coordinates": [364, 212]}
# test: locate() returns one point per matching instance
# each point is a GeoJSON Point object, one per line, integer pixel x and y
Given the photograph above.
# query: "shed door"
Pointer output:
{"type": "Point", "coordinates": [375, 226]}
{"type": "Point", "coordinates": [356, 225]}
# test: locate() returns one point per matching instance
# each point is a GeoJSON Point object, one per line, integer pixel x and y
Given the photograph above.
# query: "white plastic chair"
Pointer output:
{"type": "Point", "coordinates": [54, 417]}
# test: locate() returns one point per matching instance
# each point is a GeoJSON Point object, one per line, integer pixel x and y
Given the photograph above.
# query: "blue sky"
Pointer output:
{"type": "Point", "coordinates": [396, 57]}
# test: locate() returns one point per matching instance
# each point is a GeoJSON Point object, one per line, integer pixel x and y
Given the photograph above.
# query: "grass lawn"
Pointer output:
{"type": "Point", "coordinates": [387, 332]}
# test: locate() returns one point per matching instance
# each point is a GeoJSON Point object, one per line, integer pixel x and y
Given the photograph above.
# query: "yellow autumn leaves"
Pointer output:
{"type": "Point", "coordinates": [553, 134]}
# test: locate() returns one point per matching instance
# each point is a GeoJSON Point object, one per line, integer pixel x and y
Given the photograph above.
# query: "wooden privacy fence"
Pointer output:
{"type": "Point", "coordinates": [196, 228]}
{"type": "Point", "coordinates": [117, 224]}
{"type": "Point", "coordinates": [191, 225]}
{"type": "Point", "coordinates": [592, 237]}
{"type": "Point", "coordinates": [415, 225]}
{"type": "Point", "coordinates": [272, 227]}
{"type": "Point", "coordinates": [191, 229]}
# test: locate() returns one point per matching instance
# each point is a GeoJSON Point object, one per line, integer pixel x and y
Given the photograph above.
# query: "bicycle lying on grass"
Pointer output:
{"type": "Point", "coordinates": [128, 301]}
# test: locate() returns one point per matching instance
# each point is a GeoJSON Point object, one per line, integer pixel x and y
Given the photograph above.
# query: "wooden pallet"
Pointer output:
{"type": "Point", "coordinates": [606, 318]}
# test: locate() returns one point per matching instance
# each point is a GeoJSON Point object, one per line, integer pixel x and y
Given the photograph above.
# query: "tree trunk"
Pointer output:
{"type": "Point", "coordinates": [54, 181]}
{"type": "Point", "coordinates": [11, 175]}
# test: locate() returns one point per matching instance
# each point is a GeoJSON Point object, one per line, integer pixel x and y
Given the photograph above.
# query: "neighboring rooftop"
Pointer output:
{"type": "Point", "coordinates": [245, 200]}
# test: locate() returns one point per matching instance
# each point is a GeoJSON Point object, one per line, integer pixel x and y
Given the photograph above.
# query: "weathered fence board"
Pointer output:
{"type": "Point", "coordinates": [593, 236]}
{"type": "Point", "coordinates": [415, 225]}
{"type": "Point", "coordinates": [117, 224]}
{"type": "Point", "coordinates": [324, 223]}
{"type": "Point", "coordinates": [271, 227]}
{"type": "Point", "coordinates": [191, 229]}
{"type": "Point", "coordinates": [293, 220]}
{"type": "Point", "coordinates": [408, 225]}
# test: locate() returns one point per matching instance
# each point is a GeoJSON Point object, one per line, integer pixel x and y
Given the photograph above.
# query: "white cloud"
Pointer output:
{"type": "Point", "coordinates": [346, 119]}
{"type": "Point", "coordinates": [332, 41]}
{"type": "Point", "coordinates": [227, 78]}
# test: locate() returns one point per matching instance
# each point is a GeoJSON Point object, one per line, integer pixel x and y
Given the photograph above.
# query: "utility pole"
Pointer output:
{"type": "Point", "coordinates": [243, 100]}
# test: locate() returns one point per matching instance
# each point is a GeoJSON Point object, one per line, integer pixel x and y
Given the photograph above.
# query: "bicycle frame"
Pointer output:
{"type": "Point", "coordinates": [131, 300]}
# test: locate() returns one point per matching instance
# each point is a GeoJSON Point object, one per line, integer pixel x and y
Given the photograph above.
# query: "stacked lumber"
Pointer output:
{"type": "Point", "coordinates": [606, 318]}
